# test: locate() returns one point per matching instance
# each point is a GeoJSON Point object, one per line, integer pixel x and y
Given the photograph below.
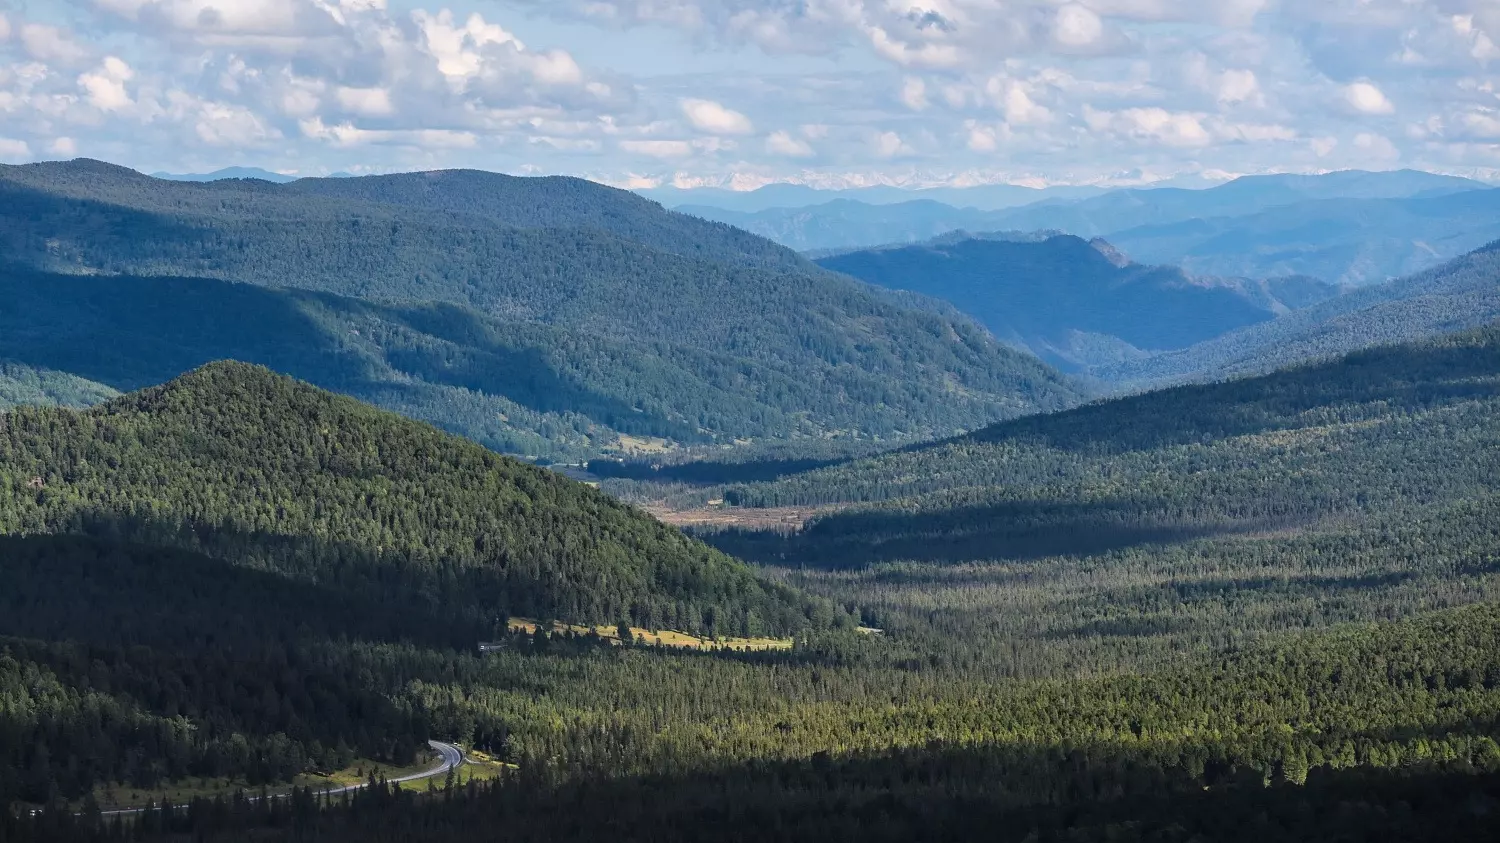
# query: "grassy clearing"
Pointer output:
{"type": "Point", "coordinates": [119, 796]}
{"type": "Point", "coordinates": [659, 638]}
{"type": "Point", "coordinates": [639, 445]}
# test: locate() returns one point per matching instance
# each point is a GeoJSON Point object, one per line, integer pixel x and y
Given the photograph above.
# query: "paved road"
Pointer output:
{"type": "Point", "coordinates": [452, 758]}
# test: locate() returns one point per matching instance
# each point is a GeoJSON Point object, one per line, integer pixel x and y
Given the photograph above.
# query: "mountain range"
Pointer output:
{"type": "Point", "coordinates": [1078, 304]}
{"type": "Point", "coordinates": [777, 196]}
{"type": "Point", "coordinates": [1345, 227]}
{"type": "Point", "coordinates": [1461, 294]}
{"type": "Point", "coordinates": [550, 317]}
{"type": "Point", "coordinates": [238, 173]}
{"type": "Point", "coordinates": [1262, 608]}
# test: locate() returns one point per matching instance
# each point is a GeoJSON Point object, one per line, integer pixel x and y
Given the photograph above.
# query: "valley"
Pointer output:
{"type": "Point", "coordinates": [999, 536]}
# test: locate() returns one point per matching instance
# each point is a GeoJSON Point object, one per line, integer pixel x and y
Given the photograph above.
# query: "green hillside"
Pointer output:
{"type": "Point", "coordinates": [814, 353]}
{"type": "Point", "coordinates": [259, 470]}
{"type": "Point", "coordinates": [1263, 607]}
{"type": "Point", "coordinates": [559, 203]}
{"type": "Point", "coordinates": [516, 387]}
{"type": "Point", "coordinates": [21, 384]}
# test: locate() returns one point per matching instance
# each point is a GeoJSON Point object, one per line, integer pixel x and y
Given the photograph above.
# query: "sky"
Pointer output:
{"type": "Point", "coordinates": [740, 93]}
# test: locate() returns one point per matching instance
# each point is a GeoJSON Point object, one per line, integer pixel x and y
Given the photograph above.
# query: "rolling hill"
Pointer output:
{"type": "Point", "coordinates": [1315, 455]}
{"type": "Point", "coordinates": [1077, 304]}
{"type": "Point", "coordinates": [352, 498]}
{"type": "Point", "coordinates": [238, 575]}
{"type": "Point", "coordinates": [651, 321]}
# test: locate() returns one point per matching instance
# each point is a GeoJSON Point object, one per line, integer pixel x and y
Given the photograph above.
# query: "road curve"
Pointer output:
{"type": "Point", "coordinates": [452, 759]}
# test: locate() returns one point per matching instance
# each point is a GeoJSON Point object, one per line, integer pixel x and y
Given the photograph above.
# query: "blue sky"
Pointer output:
{"type": "Point", "coordinates": [746, 92]}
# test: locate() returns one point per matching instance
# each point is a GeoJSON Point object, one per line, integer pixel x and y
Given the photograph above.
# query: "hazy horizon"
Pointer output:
{"type": "Point", "coordinates": [741, 93]}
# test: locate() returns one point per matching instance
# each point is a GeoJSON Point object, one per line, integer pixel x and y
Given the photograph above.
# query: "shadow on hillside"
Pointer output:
{"type": "Point", "coordinates": [1019, 531]}
{"type": "Point", "coordinates": [129, 332]}
{"type": "Point", "coordinates": [1020, 792]}
{"type": "Point", "coordinates": [112, 592]}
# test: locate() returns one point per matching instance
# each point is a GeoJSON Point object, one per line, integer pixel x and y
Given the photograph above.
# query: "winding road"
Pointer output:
{"type": "Point", "coordinates": [452, 759]}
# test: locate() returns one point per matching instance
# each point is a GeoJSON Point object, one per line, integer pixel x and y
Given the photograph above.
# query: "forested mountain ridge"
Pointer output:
{"type": "Point", "coordinates": [517, 387]}
{"type": "Point", "coordinates": [1072, 302]}
{"type": "Point", "coordinates": [1463, 293]}
{"type": "Point", "coordinates": [816, 353]}
{"type": "Point", "coordinates": [1348, 448]}
{"type": "Point", "coordinates": [552, 202]}
{"type": "Point", "coordinates": [558, 202]}
{"type": "Point", "coordinates": [256, 469]}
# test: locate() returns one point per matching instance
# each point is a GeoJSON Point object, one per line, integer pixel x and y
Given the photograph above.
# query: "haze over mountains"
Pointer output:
{"type": "Point", "coordinates": [1346, 227]}
{"type": "Point", "coordinates": [1077, 304]}
{"type": "Point", "coordinates": [1461, 294]}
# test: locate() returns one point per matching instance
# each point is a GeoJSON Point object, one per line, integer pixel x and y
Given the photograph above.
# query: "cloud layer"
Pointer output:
{"type": "Point", "coordinates": [834, 92]}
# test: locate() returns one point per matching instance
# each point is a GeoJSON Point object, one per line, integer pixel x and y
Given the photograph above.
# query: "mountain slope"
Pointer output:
{"type": "Point", "coordinates": [23, 384]}
{"type": "Point", "coordinates": [258, 470]}
{"type": "Point", "coordinates": [743, 314]}
{"type": "Point", "coordinates": [556, 202]}
{"type": "Point", "coordinates": [1070, 301]}
{"type": "Point", "coordinates": [521, 388]}
{"type": "Point", "coordinates": [1402, 438]}
{"type": "Point", "coordinates": [1463, 293]}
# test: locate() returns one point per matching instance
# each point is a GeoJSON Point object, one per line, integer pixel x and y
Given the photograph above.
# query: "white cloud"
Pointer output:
{"type": "Point", "coordinates": [1077, 26]}
{"type": "Point", "coordinates": [458, 49]}
{"type": "Point", "coordinates": [914, 94]}
{"type": "Point", "coordinates": [908, 54]}
{"type": "Point", "coordinates": [889, 145]}
{"type": "Point", "coordinates": [556, 67]}
{"type": "Point", "coordinates": [713, 118]}
{"type": "Point", "coordinates": [1173, 129]}
{"type": "Point", "coordinates": [1237, 86]}
{"type": "Point", "coordinates": [1365, 98]}
{"type": "Point", "coordinates": [658, 148]}
{"type": "Point", "coordinates": [783, 144]}
{"type": "Point", "coordinates": [300, 101]}
{"type": "Point", "coordinates": [366, 102]}
{"type": "Point", "coordinates": [234, 126]}
{"type": "Point", "coordinates": [348, 135]}
{"type": "Point", "coordinates": [63, 147]}
{"type": "Point", "coordinates": [1012, 98]}
{"type": "Point", "coordinates": [4, 28]}
{"type": "Point", "coordinates": [105, 86]}
{"type": "Point", "coordinates": [14, 151]}
{"type": "Point", "coordinates": [983, 139]}
{"type": "Point", "coordinates": [888, 91]}
{"type": "Point", "coordinates": [1376, 147]}
{"type": "Point", "coordinates": [51, 44]}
